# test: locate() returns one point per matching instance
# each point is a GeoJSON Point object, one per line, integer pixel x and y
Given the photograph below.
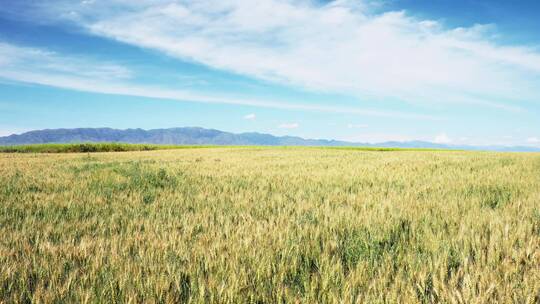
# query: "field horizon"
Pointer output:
{"type": "Point", "coordinates": [93, 147]}
{"type": "Point", "coordinates": [197, 136]}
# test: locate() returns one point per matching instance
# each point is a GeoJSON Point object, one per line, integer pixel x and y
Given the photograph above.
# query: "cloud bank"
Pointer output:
{"type": "Point", "coordinates": [43, 67]}
{"type": "Point", "coordinates": [342, 46]}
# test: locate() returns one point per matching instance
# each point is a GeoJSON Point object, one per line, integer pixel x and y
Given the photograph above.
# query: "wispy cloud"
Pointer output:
{"type": "Point", "coordinates": [250, 116]}
{"type": "Point", "coordinates": [36, 66]}
{"type": "Point", "coordinates": [33, 60]}
{"type": "Point", "coordinates": [293, 125]}
{"type": "Point", "coordinates": [533, 140]}
{"type": "Point", "coordinates": [341, 46]}
{"type": "Point", "coordinates": [442, 139]}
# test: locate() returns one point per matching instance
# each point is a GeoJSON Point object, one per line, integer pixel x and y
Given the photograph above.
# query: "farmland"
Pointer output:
{"type": "Point", "coordinates": [270, 225]}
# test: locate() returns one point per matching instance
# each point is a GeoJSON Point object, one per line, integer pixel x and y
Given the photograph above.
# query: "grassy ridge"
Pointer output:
{"type": "Point", "coordinates": [89, 148]}
{"type": "Point", "coordinates": [255, 225]}
{"type": "Point", "coordinates": [124, 147]}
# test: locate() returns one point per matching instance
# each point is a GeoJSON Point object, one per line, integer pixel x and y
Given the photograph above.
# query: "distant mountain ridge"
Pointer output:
{"type": "Point", "coordinates": [202, 136]}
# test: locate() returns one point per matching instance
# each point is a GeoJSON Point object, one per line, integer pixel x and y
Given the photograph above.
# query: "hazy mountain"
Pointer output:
{"type": "Point", "coordinates": [201, 136]}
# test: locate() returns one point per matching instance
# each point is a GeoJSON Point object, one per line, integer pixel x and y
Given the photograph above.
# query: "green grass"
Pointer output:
{"type": "Point", "coordinates": [90, 148]}
{"type": "Point", "coordinates": [124, 147]}
{"type": "Point", "coordinates": [270, 225]}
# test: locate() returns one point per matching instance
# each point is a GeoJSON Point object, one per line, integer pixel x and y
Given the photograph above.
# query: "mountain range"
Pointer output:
{"type": "Point", "coordinates": [201, 136]}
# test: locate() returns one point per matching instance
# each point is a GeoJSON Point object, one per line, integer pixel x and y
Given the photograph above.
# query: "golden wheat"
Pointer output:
{"type": "Point", "coordinates": [270, 225]}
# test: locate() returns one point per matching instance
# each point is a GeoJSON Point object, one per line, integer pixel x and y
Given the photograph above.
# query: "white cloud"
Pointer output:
{"type": "Point", "coordinates": [293, 125]}
{"type": "Point", "coordinates": [250, 116]}
{"type": "Point", "coordinates": [25, 59]}
{"type": "Point", "coordinates": [36, 66]}
{"type": "Point", "coordinates": [442, 139]}
{"type": "Point", "coordinates": [533, 140]}
{"type": "Point", "coordinates": [341, 46]}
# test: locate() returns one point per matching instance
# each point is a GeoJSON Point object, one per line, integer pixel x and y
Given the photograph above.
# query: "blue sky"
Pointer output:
{"type": "Point", "coordinates": [456, 72]}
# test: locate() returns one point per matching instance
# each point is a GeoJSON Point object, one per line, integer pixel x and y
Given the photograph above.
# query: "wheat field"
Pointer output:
{"type": "Point", "coordinates": [270, 225]}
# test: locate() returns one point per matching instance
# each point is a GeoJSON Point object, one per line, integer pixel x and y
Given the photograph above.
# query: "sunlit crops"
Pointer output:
{"type": "Point", "coordinates": [268, 225]}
